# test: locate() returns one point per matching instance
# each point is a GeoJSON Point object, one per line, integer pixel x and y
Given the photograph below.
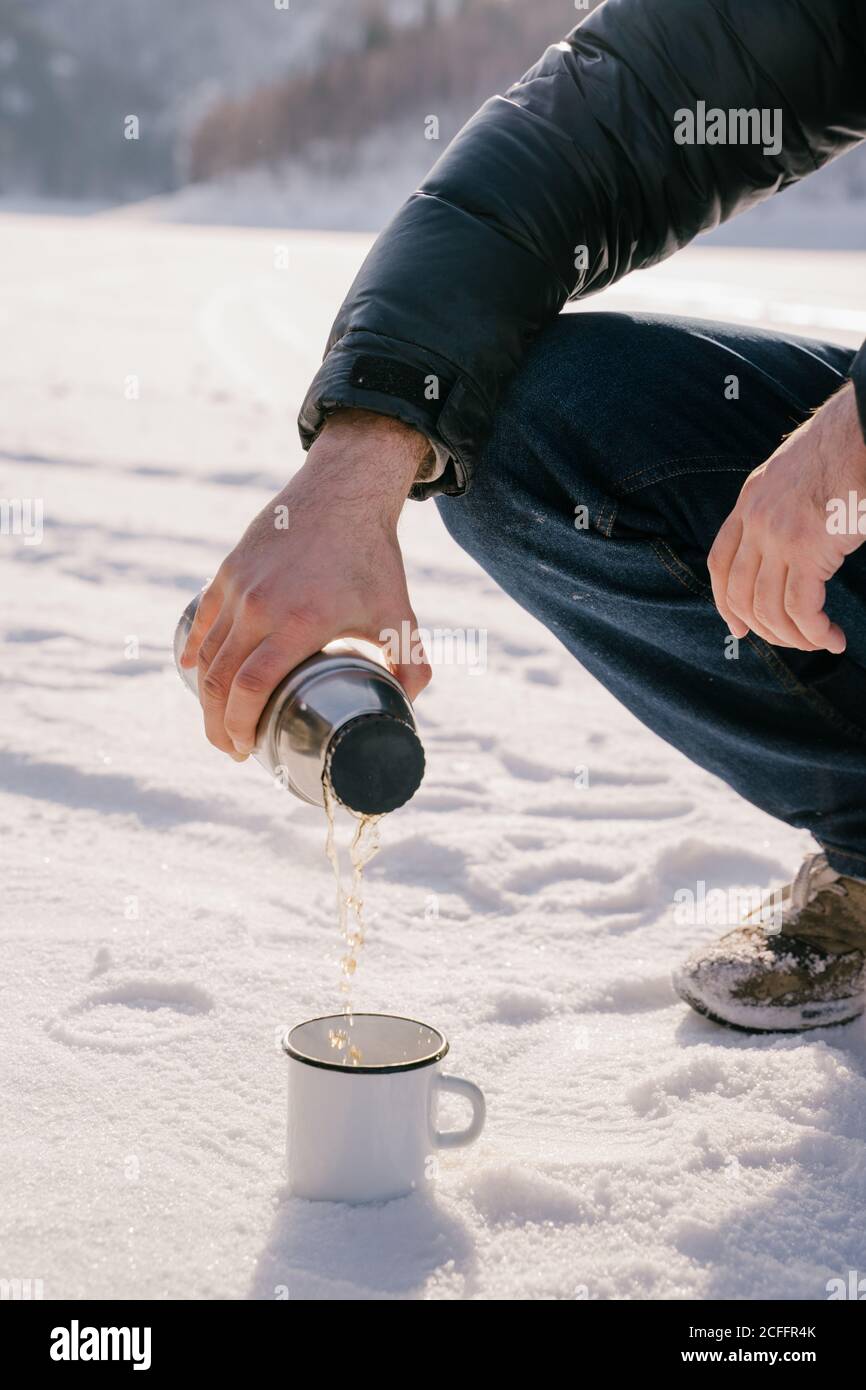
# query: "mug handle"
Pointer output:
{"type": "Point", "coordinates": [459, 1138]}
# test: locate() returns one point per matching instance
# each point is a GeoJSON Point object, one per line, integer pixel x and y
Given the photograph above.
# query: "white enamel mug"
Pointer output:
{"type": "Point", "coordinates": [367, 1133]}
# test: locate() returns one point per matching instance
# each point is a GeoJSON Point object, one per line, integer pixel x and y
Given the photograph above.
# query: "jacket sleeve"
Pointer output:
{"type": "Point", "coordinates": [567, 183]}
{"type": "Point", "coordinates": [858, 376]}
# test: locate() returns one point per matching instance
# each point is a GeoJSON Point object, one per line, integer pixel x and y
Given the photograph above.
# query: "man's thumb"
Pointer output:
{"type": "Point", "coordinates": [403, 648]}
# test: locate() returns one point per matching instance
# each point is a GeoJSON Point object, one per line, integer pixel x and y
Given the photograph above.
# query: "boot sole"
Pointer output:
{"type": "Point", "coordinates": [702, 1009]}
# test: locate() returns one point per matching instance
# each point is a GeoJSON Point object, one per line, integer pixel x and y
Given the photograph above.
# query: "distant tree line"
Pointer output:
{"type": "Point", "coordinates": [446, 66]}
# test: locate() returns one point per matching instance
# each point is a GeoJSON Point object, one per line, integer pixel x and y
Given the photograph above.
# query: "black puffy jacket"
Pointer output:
{"type": "Point", "coordinates": [582, 153]}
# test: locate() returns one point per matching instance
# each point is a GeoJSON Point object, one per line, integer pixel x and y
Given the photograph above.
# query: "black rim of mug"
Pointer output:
{"type": "Point", "coordinates": [346, 1070]}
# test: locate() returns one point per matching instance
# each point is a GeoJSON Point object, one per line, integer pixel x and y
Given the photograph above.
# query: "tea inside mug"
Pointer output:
{"type": "Point", "coordinates": [385, 1041]}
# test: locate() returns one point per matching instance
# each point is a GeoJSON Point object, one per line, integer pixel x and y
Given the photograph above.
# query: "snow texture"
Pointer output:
{"type": "Point", "coordinates": [167, 913]}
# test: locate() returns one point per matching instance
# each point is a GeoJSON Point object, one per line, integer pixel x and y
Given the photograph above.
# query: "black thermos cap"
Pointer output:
{"type": "Point", "coordinates": [375, 764]}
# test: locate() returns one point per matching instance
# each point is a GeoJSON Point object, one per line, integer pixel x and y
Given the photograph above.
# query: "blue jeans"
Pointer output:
{"type": "Point", "coordinates": [628, 416]}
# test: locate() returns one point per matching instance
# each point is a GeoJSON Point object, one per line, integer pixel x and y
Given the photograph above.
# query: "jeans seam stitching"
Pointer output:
{"type": "Point", "coordinates": [678, 458]}
{"type": "Point", "coordinates": [606, 530]}
{"type": "Point", "coordinates": [687, 579]}
{"type": "Point", "coordinates": [763, 650]}
{"type": "Point", "coordinates": [663, 476]}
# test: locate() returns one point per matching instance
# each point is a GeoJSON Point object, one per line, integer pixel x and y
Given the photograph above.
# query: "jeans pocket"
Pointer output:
{"type": "Point", "coordinates": [838, 681]}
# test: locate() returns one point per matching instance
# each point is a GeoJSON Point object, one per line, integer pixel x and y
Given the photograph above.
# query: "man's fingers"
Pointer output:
{"type": "Point", "coordinates": [215, 683]}
{"type": "Point", "coordinates": [414, 677]}
{"type": "Point", "coordinates": [407, 659]}
{"type": "Point", "coordinates": [805, 595]}
{"type": "Point", "coordinates": [769, 605]}
{"type": "Point", "coordinates": [740, 592]}
{"type": "Point", "coordinates": [211, 643]}
{"type": "Point", "coordinates": [253, 681]}
{"type": "Point", "coordinates": [209, 606]}
{"type": "Point", "coordinates": [719, 563]}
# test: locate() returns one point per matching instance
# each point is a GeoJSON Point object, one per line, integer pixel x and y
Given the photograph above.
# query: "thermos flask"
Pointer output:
{"type": "Point", "coordinates": [338, 716]}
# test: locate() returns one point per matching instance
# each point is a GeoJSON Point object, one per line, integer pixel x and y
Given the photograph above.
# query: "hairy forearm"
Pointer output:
{"type": "Point", "coordinates": [835, 431]}
{"type": "Point", "coordinates": [367, 458]}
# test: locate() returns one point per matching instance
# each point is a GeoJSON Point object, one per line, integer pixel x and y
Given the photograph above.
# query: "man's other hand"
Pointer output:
{"type": "Point", "coordinates": [791, 529]}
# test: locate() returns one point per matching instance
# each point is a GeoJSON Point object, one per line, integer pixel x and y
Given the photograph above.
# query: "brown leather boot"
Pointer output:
{"type": "Point", "coordinates": [802, 966]}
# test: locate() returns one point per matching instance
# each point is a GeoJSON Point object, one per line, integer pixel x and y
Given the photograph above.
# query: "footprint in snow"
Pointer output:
{"type": "Point", "coordinates": [542, 675]}
{"type": "Point", "coordinates": [511, 648]}
{"type": "Point", "coordinates": [527, 768]}
{"type": "Point", "coordinates": [517, 1007]}
{"type": "Point", "coordinates": [133, 1016]}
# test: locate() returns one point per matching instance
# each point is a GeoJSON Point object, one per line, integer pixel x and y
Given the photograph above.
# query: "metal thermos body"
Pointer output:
{"type": "Point", "coordinates": [337, 715]}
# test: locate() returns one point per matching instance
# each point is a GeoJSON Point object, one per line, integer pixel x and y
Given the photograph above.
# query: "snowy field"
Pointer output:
{"type": "Point", "coordinates": [166, 912]}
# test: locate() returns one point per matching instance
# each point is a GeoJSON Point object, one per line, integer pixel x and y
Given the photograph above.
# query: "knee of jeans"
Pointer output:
{"type": "Point", "coordinates": [497, 491]}
{"type": "Point", "coordinates": [463, 521]}
{"type": "Point", "coordinates": [544, 449]}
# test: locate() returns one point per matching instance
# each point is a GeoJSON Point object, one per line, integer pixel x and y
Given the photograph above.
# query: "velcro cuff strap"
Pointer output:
{"type": "Point", "coordinates": [390, 377]}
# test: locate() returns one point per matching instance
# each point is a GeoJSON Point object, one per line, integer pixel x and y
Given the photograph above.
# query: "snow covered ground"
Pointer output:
{"type": "Point", "coordinates": [166, 912]}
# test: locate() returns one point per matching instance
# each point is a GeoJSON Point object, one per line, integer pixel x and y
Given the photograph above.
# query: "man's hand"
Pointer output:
{"type": "Point", "coordinates": [321, 561]}
{"type": "Point", "coordinates": [772, 558]}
